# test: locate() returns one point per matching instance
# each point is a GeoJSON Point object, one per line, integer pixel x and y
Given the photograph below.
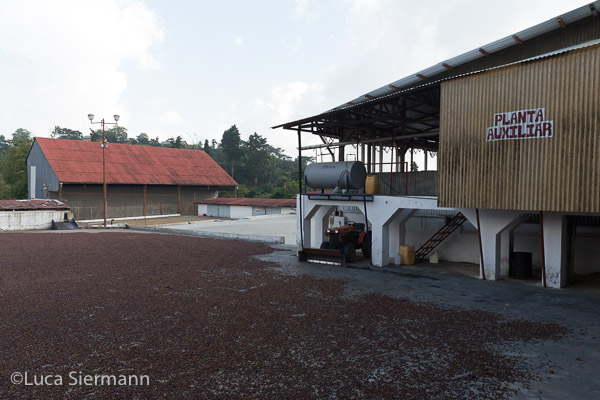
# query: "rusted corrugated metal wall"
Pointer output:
{"type": "Point", "coordinates": [420, 183]}
{"type": "Point", "coordinates": [561, 173]}
{"type": "Point", "coordinates": [87, 201]}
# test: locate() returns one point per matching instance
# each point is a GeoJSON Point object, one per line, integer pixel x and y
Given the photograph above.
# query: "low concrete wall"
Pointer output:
{"type": "Point", "coordinates": [239, 212]}
{"type": "Point", "coordinates": [26, 220]}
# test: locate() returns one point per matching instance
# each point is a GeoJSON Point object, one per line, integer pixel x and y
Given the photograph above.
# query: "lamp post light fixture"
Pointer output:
{"type": "Point", "coordinates": [104, 145]}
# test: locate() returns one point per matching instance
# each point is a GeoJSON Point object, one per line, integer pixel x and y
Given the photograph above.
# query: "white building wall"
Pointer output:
{"type": "Point", "coordinates": [27, 220]}
{"type": "Point", "coordinates": [239, 212]}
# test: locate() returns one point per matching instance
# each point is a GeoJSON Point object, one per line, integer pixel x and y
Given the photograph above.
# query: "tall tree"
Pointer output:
{"type": "Point", "coordinates": [3, 145]}
{"type": "Point", "coordinates": [116, 134]}
{"type": "Point", "coordinates": [143, 139]}
{"type": "Point", "coordinates": [66, 133]}
{"type": "Point", "coordinates": [258, 157]}
{"type": "Point", "coordinates": [14, 165]}
{"type": "Point", "coordinates": [207, 147]}
{"type": "Point", "coordinates": [177, 143]}
{"type": "Point", "coordinates": [230, 142]}
{"type": "Point", "coordinates": [155, 142]}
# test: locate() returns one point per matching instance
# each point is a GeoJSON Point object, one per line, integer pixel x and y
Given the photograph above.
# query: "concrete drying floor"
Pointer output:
{"type": "Point", "coordinates": [206, 318]}
{"type": "Point", "coordinates": [258, 228]}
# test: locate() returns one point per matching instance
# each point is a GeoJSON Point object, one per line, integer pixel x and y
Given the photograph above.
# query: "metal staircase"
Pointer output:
{"type": "Point", "coordinates": [439, 236]}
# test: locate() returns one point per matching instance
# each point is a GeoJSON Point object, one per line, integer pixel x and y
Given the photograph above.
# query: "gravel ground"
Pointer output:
{"type": "Point", "coordinates": [204, 318]}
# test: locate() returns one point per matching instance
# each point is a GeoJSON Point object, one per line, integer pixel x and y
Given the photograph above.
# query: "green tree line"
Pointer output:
{"type": "Point", "coordinates": [260, 169]}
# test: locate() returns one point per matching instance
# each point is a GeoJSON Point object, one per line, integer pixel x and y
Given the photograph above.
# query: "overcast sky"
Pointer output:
{"type": "Point", "coordinates": [194, 68]}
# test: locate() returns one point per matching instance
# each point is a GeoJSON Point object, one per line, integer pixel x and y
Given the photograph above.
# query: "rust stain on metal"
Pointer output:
{"type": "Point", "coordinates": [34, 204]}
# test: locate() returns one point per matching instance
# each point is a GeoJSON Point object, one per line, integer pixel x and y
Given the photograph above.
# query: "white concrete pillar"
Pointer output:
{"type": "Point", "coordinates": [380, 242]}
{"type": "Point", "coordinates": [507, 240]}
{"type": "Point", "coordinates": [311, 222]}
{"type": "Point", "coordinates": [320, 225]}
{"type": "Point", "coordinates": [555, 246]}
{"type": "Point", "coordinates": [397, 233]}
{"type": "Point", "coordinates": [388, 230]}
{"type": "Point", "coordinates": [492, 224]}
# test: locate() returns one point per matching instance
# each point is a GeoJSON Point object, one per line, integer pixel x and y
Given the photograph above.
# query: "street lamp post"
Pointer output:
{"type": "Point", "coordinates": [104, 145]}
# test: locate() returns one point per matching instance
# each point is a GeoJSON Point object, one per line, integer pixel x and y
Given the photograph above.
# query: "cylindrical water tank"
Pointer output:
{"type": "Point", "coordinates": [329, 175]}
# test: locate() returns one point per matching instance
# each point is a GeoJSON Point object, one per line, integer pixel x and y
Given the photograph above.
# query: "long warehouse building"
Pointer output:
{"type": "Point", "coordinates": [141, 180]}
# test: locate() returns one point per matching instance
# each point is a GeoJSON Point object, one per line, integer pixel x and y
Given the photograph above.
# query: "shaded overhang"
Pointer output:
{"type": "Point", "coordinates": [408, 118]}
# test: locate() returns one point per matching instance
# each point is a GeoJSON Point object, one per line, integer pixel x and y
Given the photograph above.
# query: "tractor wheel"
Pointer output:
{"type": "Point", "coordinates": [366, 245]}
{"type": "Point", "coordinates": [325, 245]}
{"type": "Point", "coordinates": [349, 252]}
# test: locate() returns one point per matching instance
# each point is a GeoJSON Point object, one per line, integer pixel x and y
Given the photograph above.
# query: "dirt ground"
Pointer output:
{"type": "Point", "coordinates": [204, 318]}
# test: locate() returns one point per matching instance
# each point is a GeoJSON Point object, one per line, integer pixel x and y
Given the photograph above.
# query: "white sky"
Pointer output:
{"type": "Point", "coordinates": [194, 68]}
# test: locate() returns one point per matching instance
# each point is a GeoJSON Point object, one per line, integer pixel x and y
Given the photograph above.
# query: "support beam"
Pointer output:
{"type": "Point", "coordinates": [299, 161]}
{"type": "Point", "coordinates": [145, 187]}
{"type": "Point", "coordinates": [492, 223]}
{"type": "Point", "coordinates": [555, 233]}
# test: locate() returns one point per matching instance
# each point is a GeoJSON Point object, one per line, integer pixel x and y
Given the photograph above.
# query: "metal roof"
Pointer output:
{"type": "Point", "coordinates": [498, 45]}
{"type": "Point", "coordinates": [252, 202]}
{"type": "Point", "coordinates": [77, 161]}
{"type": "Point", "coordinates": [34, 204]}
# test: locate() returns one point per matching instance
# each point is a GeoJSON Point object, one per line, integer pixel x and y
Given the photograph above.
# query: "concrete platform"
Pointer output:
{"type": "Point", "coordinates": [282, 227]}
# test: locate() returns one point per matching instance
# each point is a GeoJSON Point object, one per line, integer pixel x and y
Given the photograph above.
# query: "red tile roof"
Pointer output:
{"type": "Point", "coordinates": [254, 202]}
{"type": "Point", "coordinates": [77, 161]}
{"type": "Point", "coordinates": [36, 204]}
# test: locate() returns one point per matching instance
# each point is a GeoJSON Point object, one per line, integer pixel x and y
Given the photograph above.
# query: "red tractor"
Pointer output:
{"type": "Point", "coordinates": [347, 239]}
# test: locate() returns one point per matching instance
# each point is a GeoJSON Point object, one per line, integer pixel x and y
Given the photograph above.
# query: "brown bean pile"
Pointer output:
{"type": "Point", "coordinates": [204, 319]}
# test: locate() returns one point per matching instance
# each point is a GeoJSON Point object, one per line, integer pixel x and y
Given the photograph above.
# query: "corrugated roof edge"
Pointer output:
{"type": "Point", "coordinates": [32, 204]}
{"type": "Point", "coordinates": [500, 44]}
{"type": "Point", "coordinates": [396, 93]}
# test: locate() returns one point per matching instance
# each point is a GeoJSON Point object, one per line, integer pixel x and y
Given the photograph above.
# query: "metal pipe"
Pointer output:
{"type": "Point", "coordinates": [480, 246]}
{"type": "Point", "coordinates": [104, 169]}
{"type": "Point", "coordinates": [381, 158]}
{"type": "Point", "coordinates": [104, 146]}
{"type": "Point", "coordinates": [299, 161]}
{"type": "Point", "coordinates": [405, 178]}
{"type": "Point", "coordinates": [543, 249]}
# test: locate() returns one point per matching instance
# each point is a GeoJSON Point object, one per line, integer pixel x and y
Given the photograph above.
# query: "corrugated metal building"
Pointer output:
{"type": "Point", "coordinates": [521, 170]}
{"type": "Point", "coordinates": [141, 180]}
{"type": "Point", "coordinates": [515, 126]}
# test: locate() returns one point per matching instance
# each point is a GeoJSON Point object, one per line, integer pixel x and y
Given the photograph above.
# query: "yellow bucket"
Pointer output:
{"type": "Point", "coordinates": [407, 254]}
{"type": "Point", "coordinates": [372, 184]}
